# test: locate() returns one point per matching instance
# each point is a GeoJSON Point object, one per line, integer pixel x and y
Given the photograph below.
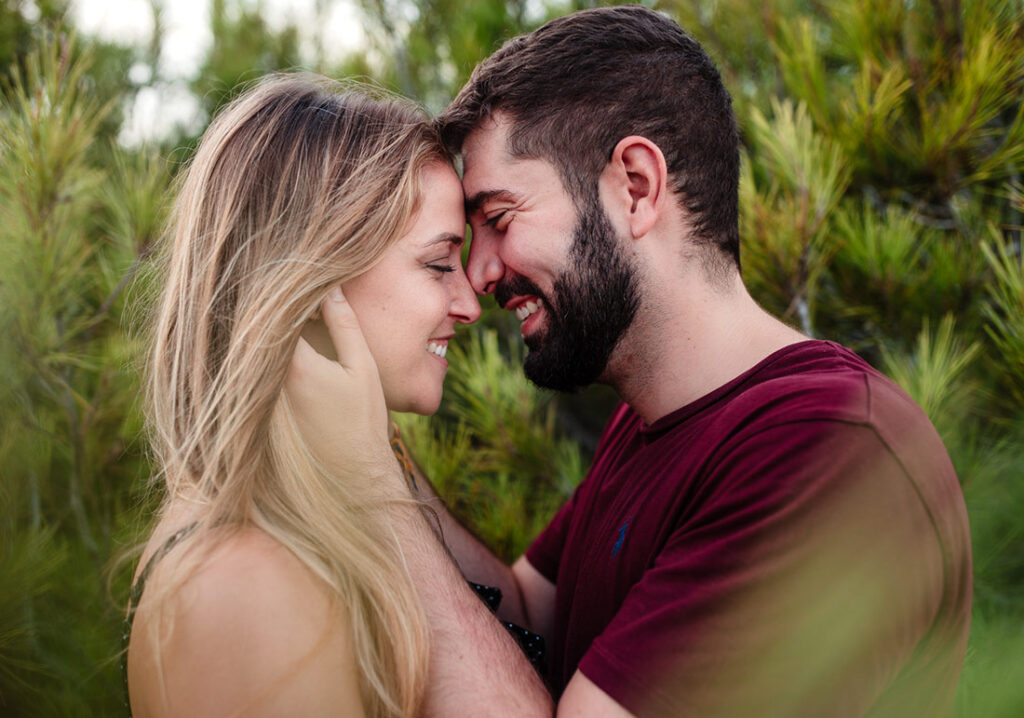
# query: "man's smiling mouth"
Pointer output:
{"type": "Point", "coordinates": [527, 308]}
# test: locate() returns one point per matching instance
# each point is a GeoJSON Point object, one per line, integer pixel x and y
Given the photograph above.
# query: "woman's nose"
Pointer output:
{"type": "Point", "coordinates": [464, 307]}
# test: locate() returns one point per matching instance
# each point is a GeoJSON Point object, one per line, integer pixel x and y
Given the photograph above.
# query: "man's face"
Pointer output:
{"type": "Point", "coordinates": [562, 271]}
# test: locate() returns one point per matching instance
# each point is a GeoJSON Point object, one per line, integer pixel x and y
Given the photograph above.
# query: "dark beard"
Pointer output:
{"type": "Point", "coordinates": [593, 304]}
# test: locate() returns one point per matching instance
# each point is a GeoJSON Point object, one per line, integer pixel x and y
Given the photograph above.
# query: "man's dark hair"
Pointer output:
{"type": "Point", "coordinates": [576, 86]}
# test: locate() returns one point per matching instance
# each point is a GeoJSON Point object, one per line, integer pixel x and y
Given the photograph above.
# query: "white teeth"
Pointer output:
{"type": "Point", "coordinates": [439, 349]}
{"type": "Point", "coordinates": [527, 308]}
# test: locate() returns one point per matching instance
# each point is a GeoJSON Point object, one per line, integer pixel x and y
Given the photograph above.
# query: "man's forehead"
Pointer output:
{"type": "Point", "coordinates": [485, 147]}
{"type": "Point", "coordinates": [491, 173]}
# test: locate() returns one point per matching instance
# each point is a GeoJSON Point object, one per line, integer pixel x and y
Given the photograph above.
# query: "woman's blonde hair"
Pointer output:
{"type": "Point", "coordinates": [298, 184]}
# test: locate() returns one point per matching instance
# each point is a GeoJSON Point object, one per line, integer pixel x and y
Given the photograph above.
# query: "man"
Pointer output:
{"type": "Point", "coordinates": [770, 527]}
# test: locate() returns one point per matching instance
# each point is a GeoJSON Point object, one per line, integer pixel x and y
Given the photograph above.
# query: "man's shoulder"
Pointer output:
{"type": "Point", "coordinates": [832, 383]}
{"type": "Point", "coordinates": [812, 388]}
{"type": "Point", "coordinates": [825, 395]}
{"type": "Point", "coordinates": [819, 381]}
{"type": "Point", "coordinates": [810, 381]}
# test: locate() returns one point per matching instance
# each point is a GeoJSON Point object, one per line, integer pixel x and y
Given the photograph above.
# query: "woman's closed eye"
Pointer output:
{"type": "Point", "coordinates": [441, 267]}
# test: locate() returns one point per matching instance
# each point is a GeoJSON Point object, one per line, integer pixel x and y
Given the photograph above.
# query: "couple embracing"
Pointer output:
{"type": "Point", "coordinates": [770, 527]}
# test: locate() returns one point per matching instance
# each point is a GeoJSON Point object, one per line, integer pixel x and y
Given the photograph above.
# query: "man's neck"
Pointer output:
{"type": "Point", "coordinates": [690, 340]}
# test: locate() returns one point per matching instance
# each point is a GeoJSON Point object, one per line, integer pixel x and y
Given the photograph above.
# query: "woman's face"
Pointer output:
{"type": "Point", "coordinates": [409, 302]}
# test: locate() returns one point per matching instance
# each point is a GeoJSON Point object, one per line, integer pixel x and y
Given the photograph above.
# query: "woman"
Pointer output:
{"type": "Point", "coordinates": [270, 584]}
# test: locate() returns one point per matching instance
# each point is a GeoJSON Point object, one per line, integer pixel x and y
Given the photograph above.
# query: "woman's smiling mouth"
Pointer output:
{"type": "Point", "coordinates": [438, 347]}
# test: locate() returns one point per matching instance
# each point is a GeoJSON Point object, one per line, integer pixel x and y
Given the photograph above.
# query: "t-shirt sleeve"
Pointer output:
{"type": "Point", "coordinates": [799, 587]}
{"type": "Point", "coordinates": [545, 553]}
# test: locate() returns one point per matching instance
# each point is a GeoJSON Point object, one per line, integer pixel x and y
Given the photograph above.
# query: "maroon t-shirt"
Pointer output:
{"type": "Point", "coordinates": [794, 543]}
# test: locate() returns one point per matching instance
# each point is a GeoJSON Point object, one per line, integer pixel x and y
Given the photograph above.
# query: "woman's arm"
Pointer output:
{"type": "Point", "coordinates": [254, 633]}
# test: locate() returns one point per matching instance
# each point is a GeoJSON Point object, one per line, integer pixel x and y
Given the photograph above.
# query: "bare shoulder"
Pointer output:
{"type": "Point", "coordinates": [254, 632]}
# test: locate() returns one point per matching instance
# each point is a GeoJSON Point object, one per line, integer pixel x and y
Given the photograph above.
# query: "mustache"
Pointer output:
{"type": "Point", "coordinates": [515, 286]}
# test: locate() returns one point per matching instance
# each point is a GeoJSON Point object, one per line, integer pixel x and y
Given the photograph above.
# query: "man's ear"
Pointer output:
{"type": "Point", "coordinates": [637, 177]}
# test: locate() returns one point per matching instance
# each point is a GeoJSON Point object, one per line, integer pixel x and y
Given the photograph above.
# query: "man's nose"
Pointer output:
{"type": "Point", "coordinates": [483, 266]}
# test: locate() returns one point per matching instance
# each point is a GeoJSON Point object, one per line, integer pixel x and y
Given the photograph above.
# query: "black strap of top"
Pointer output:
{"type": "Point", "coordinates": [136, 593]}
{"type": "Point", "coordinates": [529, 642]}
{"type": "Point", "coordinates": [140, 583]}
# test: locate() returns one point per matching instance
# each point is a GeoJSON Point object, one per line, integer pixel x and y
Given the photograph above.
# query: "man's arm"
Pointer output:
{"type": "Point", "coordinates": [476, 668]}
{"type": "Point", "coordinates": [528, 598]}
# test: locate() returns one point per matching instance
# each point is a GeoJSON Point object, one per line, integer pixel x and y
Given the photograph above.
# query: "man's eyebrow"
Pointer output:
{"type": "Point", "coordinates": [473, 203]}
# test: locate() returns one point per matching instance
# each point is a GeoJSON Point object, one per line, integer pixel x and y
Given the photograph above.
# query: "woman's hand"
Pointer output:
{"type": "Point", "coordinates": [339, 405]}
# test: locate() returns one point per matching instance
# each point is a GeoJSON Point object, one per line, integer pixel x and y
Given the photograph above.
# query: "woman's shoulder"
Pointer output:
{"type": "Point", "coordinates": [251, 627]}
{"type": "Point", "coordinates": [249, 567]}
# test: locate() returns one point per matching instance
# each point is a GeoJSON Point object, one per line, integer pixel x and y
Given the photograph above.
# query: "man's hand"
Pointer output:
{"type": "Point", "coordinates": [339, 405]}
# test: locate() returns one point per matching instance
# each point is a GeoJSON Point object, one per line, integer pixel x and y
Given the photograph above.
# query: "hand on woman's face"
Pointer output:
{"type": "Point", "coordinates": [409, 302]}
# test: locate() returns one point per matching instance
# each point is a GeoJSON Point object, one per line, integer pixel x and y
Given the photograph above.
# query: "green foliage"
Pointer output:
{"type": "Point", "coordinates": [71, 235]}
{"type": "Point", "coordinates": [739, 40]}
{"type": "Point", "coordinates": [786, 210]}
{"type": "Point", "coordinates": [919, 104]}
{"type": "Point", "coordinates": [881, 206]}
{"type": "Point", "coordinates": [882, 262]}
{"type": "Point", "coordinates": [991, 477]}
{"type": "Point", "coordinates": [425, 49]}
{"type": "Point", "coordinates": [18, 34]}
{"type": "Point", "coordinates": [933, 375]}
{"type": "Point", "coordinates": [1005, 312]}
{"type": "Point", "coordinates": [108, 62]}
{"type": "Point", "coordinates": [992, 683]}
{"type": "Point", "coordinates": [244, 49]}
{"type": "Point", "coordinates": [29, 568]}
{"type": "Point", "coordinates": [922, 104]}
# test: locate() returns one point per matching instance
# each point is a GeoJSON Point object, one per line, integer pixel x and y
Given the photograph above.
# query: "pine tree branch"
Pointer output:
{"type": "Point", "coordinates": [75, 499]}
{"type": "Point", "coordinates": [89, 330]}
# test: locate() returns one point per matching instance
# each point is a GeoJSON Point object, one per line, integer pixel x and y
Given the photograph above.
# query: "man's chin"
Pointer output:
{"type": "Point", "coordinates": [556, 372]}
{"type": "Point", "coordinates": [535, 364]}
{"type": "Point", "coordinates": [534, 342]}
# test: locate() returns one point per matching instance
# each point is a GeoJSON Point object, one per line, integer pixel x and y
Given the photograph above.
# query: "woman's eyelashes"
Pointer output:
{"type": "Point", "coordinates": [443, 264]}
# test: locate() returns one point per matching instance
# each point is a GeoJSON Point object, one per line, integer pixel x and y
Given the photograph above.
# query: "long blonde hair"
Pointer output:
{"type": "Point", "coordinates": [298, 184]}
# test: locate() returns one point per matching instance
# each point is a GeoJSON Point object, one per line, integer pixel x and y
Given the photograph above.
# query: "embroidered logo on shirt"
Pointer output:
{"type": "Point", "coordinates": [622, 536]}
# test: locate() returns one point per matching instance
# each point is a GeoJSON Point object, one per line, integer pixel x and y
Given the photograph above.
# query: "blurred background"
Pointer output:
{"type": "Point", "coordinates": [882, 206]}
